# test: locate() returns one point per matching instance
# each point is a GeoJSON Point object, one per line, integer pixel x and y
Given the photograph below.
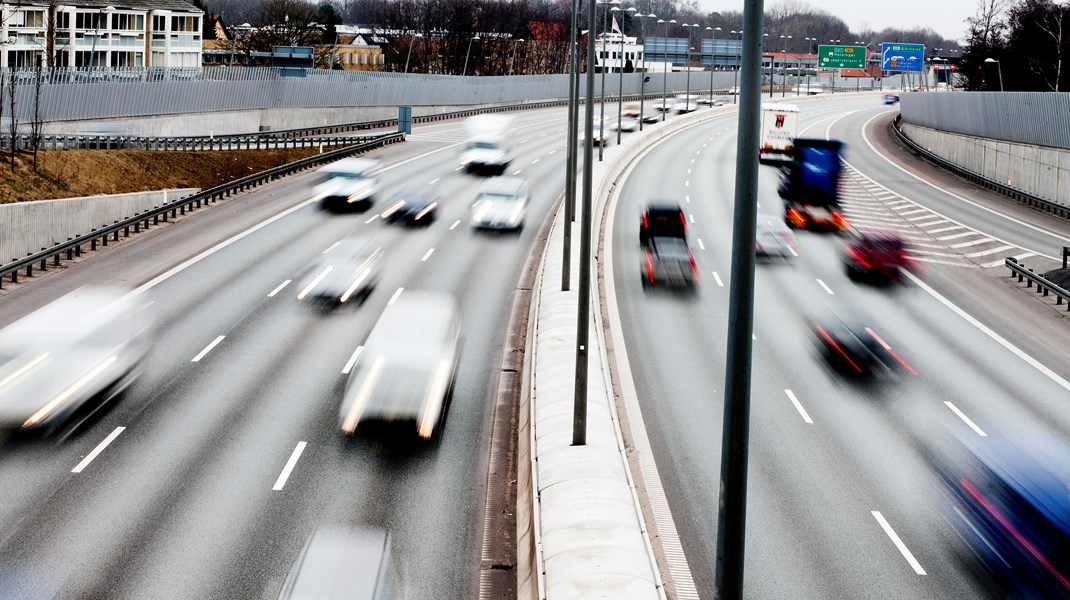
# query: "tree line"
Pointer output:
{"type": "Point", "coordinates": [1018, 46]}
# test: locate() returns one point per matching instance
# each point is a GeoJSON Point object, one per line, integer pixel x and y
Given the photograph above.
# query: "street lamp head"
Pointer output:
{"type": "Point", "coordinates": [708, 28]}
{"type": "Point", "coordinates": [661, 20]}
{"type": "Point", "coordinates": [632, 10]}
{"type": "Point", "coordinates": [419, 35]}
{"type": "Point", "coordinates": [673, 21]}
{"type": "Point", "coordinates": [991, 60]}
{"type": "Point", "coordinates": [615, 9]}
{"type": "Point", "coordinates": [716, 28]}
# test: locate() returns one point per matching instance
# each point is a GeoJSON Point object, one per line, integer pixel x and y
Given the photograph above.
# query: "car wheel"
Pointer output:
{"type": "Point", "coordinates": [853, 274]}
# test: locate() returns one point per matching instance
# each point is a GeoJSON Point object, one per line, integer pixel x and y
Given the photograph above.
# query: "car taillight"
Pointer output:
{"type": "Point", "coordinates": [645, 225]}
{"type": "Point", "coordinates": [683, 220]}
{"type": "Point", "coordinates": [694, 267]}
{"type": "Point", "coordinates": [797, 219]}
{"type": "Point", "coordinates": [649, 268]}
{"type": "Point", "coordinates": [858, 256]}
{"type": "Point", "coordinates": [839, 221]}
{"type": "Point", "coordinates": [828, 339]}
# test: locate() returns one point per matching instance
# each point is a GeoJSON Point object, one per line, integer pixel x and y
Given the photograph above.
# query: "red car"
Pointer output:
{"type": "Point", "coordinates": [877, 256]}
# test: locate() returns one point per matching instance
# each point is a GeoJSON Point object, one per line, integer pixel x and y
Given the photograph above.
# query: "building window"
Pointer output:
{"type": "Point", "coordinates": [90, 20]}
{"type": "Point", "coordinates": [30, 18]}
{"type": "Point", "coordinates": [129, 22]}
{"type": "Point", "coordinates": [184, 24]}
{"type": "Point", "coordinates": [63, 20]}
{"type": "Point", "coordinates": [159, 23]}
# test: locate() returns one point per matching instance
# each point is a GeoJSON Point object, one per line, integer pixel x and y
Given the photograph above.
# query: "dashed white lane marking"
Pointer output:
{"type": "Point", "coordinates": [373, 217]}
{"type": "Point", "coordinates": [208, 349]}
{"type": "Point", "coordinates": [518, 171]}
{"type": "Point", "coordinates": [965, 419]}
{"type": "Point", "coordinates": [352, 360]}
{"type": "Point", "coordinates": [459, 168]}
{"type": "Point", "coordinates": [395, 296]}
{"type": "Point", "coordinates": [827, 288]}
{"type": "Point", "coordinates": [290, 464]}
{"type": "Point", "coordinates": [691, 217]}
{"type": "Point", "coordinates": [454, 226]}
{"type": "Point", "coordinates": [914, 564]}
{"type": "Point", "coordinates": [687, 198]}
{"type": "Point", "coordinates": [551, 152]}
{"type": "Point", "coordinates": [434, 181]}
{"type": "Point", "coordinates": [717, 278]}
{"type": "Point", "coordinates": [693, 160]}
{"type": "Point", "coordinates": [279, 289]}
{"type": "Point", "coordinates": [96, 451]}
{"type": "Point", "coordinates": [428, 255]}
{"type": "Point", "coordinates": [689, 171]}
{"type": "Point", "coordinates": [701, 245]}
{"type": "Point", "coordinates": [687, 183]}
{"type": "Point", "coordinates": [535, 161]}
{"type": "Point", "coordinates": [332, 247]}
{"type": "Point", "coordinates": [799, 407]}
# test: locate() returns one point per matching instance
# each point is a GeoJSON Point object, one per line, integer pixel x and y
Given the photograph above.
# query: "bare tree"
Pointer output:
{"type": "Point", "coordinates": [13, 122]}
{"type": "Point", "coordinates": [38, 123]}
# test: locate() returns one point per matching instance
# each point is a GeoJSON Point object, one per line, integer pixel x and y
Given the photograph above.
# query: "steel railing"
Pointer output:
{"type": "Point", "coordinates": [1006, 190]}
{"type": "Point", "coordinates": [73, 247]}
{"type": "Point", "coordinates": [1044, 285]}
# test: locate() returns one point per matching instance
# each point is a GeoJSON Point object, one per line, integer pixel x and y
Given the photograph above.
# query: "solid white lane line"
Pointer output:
{"type": "Point", "coordinates": [717, 278]}
{"type": "Point", "coordinates": [96, 451]}
{"type": "Point", "coordinates": [827, 288]}
{"type": "Point", "coordinates": [454, 226]}
{"type": "Point", "coordinates": [428, 255]}
{"type": "Point", "coordinates": [208, 348]}
{"type": "Point", "coordinates": [290, 464]}
{"type": "Point", "coordinates": [395, 296]}
{"type": "Point", "coordinates": [914, 564]}
{"type": "Point", "coordinates": [998, 339]}
{"type": "Point", "coordinates": [701, 245]}
{"type": "Point", "coordinates": [332, 247]}
{"type": "Point", "coordinates": [966, 419]}
{"type": "Point", "coordinates": [799, 406]}
{"type": "Point", "coordinates": [374, 217]}
{"type": "Point", "coordinates": [279, 289]}
{"type": "Point", "coordinates": [352, 360]}
{"type": "Point", "coordinates": [434, 181]}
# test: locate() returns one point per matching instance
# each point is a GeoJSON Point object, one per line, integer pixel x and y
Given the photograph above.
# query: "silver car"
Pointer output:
{"type": "Point", "coordinates": [406, 371]}
{"type": "Point", "coordinates": [347, 271]}
{"type": "Point", "coordinates": [344, 564]}
{"type": "Point", "coordinates": [774, 240]}
{"type": "Point", "coordinates": [347, 184]}
{"type": "Point", "coordinates": [79, 351]}
{"type": "Point", "coordinates": [501, 204]}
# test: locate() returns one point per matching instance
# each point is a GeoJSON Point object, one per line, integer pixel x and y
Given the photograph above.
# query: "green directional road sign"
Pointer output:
{"type": "Point", "coordinates": [841, 57]}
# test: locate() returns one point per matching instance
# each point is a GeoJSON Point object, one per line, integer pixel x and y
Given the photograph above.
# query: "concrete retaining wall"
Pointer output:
{"type": "Point", "coordinates": [27, 227]}
{"type": "Point", "coordinates": [1037, 170]}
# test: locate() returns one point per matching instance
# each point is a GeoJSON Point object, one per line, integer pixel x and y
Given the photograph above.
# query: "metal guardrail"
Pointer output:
{"type": "Point", "coordinates": [183, 144]}
{"type": "Point", "coordinates": [1006, 190]}
{"type": "Point", "coordinates": [1044, 285]}
{"type": "Point", "coordinates": [73, 247]}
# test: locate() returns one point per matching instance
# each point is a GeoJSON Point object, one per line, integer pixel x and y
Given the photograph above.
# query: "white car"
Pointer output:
{"type": "Point", "coordinates": [348, 271]}
{"type": "Point", "coordinates": [347, 184]}
{"type": "Point", "coordinates": [627, 124]}
{"type": "Point", "coordinates": [501, 204]}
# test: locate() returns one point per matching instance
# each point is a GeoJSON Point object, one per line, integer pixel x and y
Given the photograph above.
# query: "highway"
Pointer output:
{"type": "Point", "coordinates": [843, 501]}
{"type": "Point", "coordinates": [184, 487]}
{"type": "Point", "coordinates": [189, 499]}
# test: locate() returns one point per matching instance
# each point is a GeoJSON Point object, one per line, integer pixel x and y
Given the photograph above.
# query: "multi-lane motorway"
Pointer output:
{"type": "Point", "coordinates": [207, 477]}
{"type": "Point", "coordinates": [843, 502]}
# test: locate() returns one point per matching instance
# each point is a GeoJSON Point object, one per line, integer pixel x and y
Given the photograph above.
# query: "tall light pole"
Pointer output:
{"type": "Point", "coordinates": [603, 61]}
{"type": "Point", "coordinates": [739, 60]}
{"type": "Point", "coordinates": [687, 65]}
{"type": "Point", "coordinates": [784, 63]}
{"type": "Point", "coordinates": [464, 71]}
{"type": "Point", "coordinates": [643, 71]}
{"type": "Point", "coordinates": [765, 37]}
{"type": "Point", "coordinates": [832, 72]}
{"type": "Point", "coordinates": [810, 47]}
{"type": "Point", "coordinates": [409, 55]}
{"type": "Point", "coordinates": [999, 70]}
{"type": "Point", "coordinates": [512, 60]}
{"type": "Point", "coordinates": [665, 67]}
{"type": "Point", "coordinates": [620, 78]}
{"type": "Point", "coordinates": [713, 54]}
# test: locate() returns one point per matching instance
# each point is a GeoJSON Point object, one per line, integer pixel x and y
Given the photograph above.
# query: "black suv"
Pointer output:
{"type": "Point", "coordinates": [662, 218]}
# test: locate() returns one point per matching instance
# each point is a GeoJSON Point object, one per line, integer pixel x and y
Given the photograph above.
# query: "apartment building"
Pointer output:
{"type": "Point", "coordinates": [146, 33]}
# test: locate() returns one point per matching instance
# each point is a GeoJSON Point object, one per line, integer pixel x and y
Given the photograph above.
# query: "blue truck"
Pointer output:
{"type": "Point", "coordinates": [809, 185]}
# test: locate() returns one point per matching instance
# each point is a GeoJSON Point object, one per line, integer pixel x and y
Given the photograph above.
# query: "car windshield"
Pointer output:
{"type": "Point", "coordinates": [482, 145]}
{"type": "Point", "coordinates": [499, 197]}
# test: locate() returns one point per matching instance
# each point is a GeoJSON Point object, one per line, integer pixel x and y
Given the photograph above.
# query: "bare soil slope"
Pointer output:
{"type": "Point", "coordinates": [70, 173]}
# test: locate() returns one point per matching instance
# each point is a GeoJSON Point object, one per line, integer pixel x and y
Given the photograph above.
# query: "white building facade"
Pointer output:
{"type": "Point", "coordinates": [614, 51]}
{"type": "Point", "coordinates": [153, 33]}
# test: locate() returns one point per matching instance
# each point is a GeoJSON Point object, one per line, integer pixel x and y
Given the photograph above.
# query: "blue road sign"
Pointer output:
{"type": "Point", "coordinates": [902, 57]}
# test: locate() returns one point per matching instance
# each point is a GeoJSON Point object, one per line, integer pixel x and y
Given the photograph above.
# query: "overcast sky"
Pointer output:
{"type": "Point", "coordinates": [947, 17]}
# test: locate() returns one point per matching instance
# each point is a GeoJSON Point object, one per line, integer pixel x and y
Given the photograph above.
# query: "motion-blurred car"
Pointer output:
{"type": "Point", "coordinates": [668, 261]}
{"type": "Point", "coordinates": [774, 240]}
{"type": "Point", "coordinates": [651, 116]}
{"type": "Point", "coordinates": [665, 104]}
{"type": "Point", "coordinates": [501, 204]}
{"type": "Point", "coordinates": [877, 256]}
{"type": "Point", "coordinates": [891, 99]}
{"type": "Point", "coordinates": [412, 205]}
{"type": "Point", "coordinates": [599, 134]}
{"type": "Point", "coordinates": [488, 148]}
{"type": "Point", "coordinates": [714, 100]}
{"type": "Point", "coordinates": [662, 218]}
{"type": "Point", "coordinates": [405, 373]}
{"type": "Point", "coordinates": [686, 103]}
{"type": "Point", "coordinates": [851, 346]}
{"type": "Point", "coordinates": [347, 184]}
{"type": "Point", "coordinates": [627, 124]}
{"type": "Point", "coordinates": [77, 352]}
{"type": "Point", "coordinates": [347, 271]}
{"type": "Point", "coordinates": [1010, 504]}
{"type": "Point", "coordinates": [344, 564]}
